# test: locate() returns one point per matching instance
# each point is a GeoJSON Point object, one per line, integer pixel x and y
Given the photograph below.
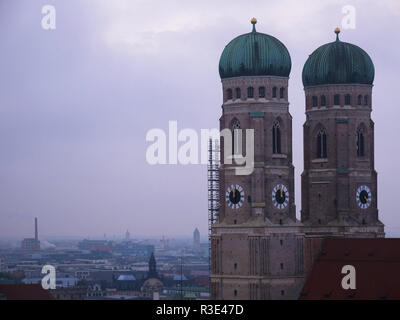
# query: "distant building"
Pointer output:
{"type": "Point", "coordinates": [31, 244]}
{"type": "Point", "coordinates": [136, 250]}
{"type": "Point", "coordinates": [61, 282]}
{"type": "Point", "coordinates": [89, 244]}
{"type": "Point", "coordinates": [127, 235]}
{"type": "Point", "coordinates": [126, 282]}
{"type": "Point", "coordinates": [70, 293]}
{"type": "Point", "coordinates": [95, 291]}
{"type": "Point", "coordinates": [82, 274]}
{"type": "Point", "coordinates": [152, 286]}
{"type": "Point", "coordinates": [101, 248]}
{"type": "Point", "coordinates": [196, 238]}
{"type": "Point", "coordinates": [152, 267]}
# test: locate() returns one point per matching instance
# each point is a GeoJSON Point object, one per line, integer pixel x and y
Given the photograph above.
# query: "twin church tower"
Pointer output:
{"type": "Point", "coordinates": [258, 247]}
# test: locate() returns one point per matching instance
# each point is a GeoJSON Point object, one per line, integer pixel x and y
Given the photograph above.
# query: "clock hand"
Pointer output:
{"type": "Point", "coordinates": [281, 193]}
{"type": "Point", "coordinates": [366, 198]}
{"type": "Point", "coordinates": [233, 191]}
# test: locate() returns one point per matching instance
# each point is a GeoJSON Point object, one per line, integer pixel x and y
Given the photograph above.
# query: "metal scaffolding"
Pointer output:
{"type": "Point", "coordinates": [213, 185]}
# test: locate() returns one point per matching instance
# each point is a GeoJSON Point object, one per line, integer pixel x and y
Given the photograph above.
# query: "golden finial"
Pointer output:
{"type": "Point", "coordinates": [253, 21]}
{"type": "Point", "coordinates": [337, 31]}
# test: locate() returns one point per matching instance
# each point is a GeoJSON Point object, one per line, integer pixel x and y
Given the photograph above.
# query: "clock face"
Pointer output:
{"type": "Point", "coordinates": [280, 196]}
{"type": "Point", "coordinates": [363, 197]}
{"type": "Point", "coordinates": [234, 196]}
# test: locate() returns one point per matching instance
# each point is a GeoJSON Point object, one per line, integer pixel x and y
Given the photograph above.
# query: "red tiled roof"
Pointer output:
{"type": "Point", "coordinates": [25, 292]}
{"type": "Point", "coordinates": [101, 248]}
{"type": "Point", "coordinates": [377, 265]}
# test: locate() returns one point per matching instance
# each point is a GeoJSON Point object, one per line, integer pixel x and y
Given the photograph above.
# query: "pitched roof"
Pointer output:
{"type": "Point", "coordinates": [377, 266]}
{"type": "Point", "coordinates": [25, 292]}
{"type": "Point", "coordinates": [126, 277]}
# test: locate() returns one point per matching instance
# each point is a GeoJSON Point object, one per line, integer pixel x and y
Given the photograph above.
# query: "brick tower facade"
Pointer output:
{"type": "Point", "coordinates": [339, 182]}
{"type": "Point", "coordinates": [257, 243]}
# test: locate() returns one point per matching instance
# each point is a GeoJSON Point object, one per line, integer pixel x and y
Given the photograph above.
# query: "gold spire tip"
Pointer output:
{"type": "Point", "coordinates": [253, 21]}
{"type": "Point", "coordinates": [337, 30]}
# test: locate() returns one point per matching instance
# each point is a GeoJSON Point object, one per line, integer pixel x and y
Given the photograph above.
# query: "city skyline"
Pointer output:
{"type": "Point", "coordinates": [74, 142]}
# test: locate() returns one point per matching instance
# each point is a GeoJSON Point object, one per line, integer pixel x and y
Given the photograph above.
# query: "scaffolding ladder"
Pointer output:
{"type": "Point", "coordinates": [213, 186]}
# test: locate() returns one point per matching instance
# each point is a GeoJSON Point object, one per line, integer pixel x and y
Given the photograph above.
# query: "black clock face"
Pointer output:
{"type": "Point", "coordinates": [280, 196]}
{"type": "Point", "coordinates": [234, 196]}
{"type": "Point", "coordinates": [363, 197]}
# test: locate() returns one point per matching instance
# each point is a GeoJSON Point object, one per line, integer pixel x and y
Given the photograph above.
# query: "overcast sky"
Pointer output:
{"type": "Point", "coordinates": [76, 104]}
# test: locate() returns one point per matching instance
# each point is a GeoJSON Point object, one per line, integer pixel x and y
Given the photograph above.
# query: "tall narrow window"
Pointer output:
{"type": "Point", "coordinates": [281, 92]}
{"type": "Point", "coordinates": [236, 137]}
{"type": "Point", "coordinates": [321, 144]}
{"type": "Point", "coordinates": [238, 93]}
{"type": "Point", "coordinates": [274, 92]}
{"type": "Point", "coordinates": [359, 100]}
{"type": "Point", "coordinates": [347, 100]}
{"type": "Point", "coordinates": [336, 99]}
{"type": "Point", "coordinates": [314, 101]}
{"type": "Point", "coordinates": [261, 92]}
{"type": "Point", "coordinates": [365, 100]}
{"type": "Point", "coordinates": [360, 143]}
{"type": "Point", "coordinates": [276, 138]}
{"type": "Point", "coordinates": [323, 101]}
{"type": "Point", "coordinates": [229, 94]}
{"type": "Point", "coordinates": [250, 92]}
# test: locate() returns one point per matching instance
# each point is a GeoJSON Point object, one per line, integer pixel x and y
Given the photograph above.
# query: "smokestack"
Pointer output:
{"type": "Point", "coordinates": [36, 230]}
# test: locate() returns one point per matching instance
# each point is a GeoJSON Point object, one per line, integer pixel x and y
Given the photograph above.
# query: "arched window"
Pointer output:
{"type": "Point", "coordinates": [323, 101]}
{"type": "Point", "coordinates": [281, 92]}
{"type": "Point", "coordinates": [229, 94]}
{"type": "Point", "coordinates": [314, 101]}
{"type": "Point", "coordinates": [359, 100]}
{"type": "Point", "coordinates": [336, 99]}
{"type": "Point", "coordinates": [274, 92]}
{"type": "Point", "coordinates": [250, 92]}
{"type": "Point", "coordinates": [347, 100]}
{"type": "Point", "coordinates": [261, 92]}
{"type": "Point", "coordinates": [360, 142]}
{"type": "Point", "coordinates": [276, 138]}
{"type": "Point", "coordinates": [321, 144]}
{"type": "Point", "coordinates": [238, 93]}
{"type": "Point", "coordinates": [365, 100]}
{"type": "Point", "coordinates": [236, 137]}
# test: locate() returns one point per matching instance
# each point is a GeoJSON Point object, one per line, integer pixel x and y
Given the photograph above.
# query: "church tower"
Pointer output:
{"type": "Point", "coordinates": [339, 182]}
{"type": "Point", "coordinates": [152, 267]}
{"type": "Point", "coordinates": [256, 242]}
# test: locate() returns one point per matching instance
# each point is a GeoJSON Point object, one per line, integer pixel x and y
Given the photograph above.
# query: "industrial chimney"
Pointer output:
{"type": "Point", "coordinates": [36, 231]}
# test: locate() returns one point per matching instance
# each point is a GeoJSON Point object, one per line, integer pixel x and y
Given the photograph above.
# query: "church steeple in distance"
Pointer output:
{"type": "Point", "coordinates": [152, 267]}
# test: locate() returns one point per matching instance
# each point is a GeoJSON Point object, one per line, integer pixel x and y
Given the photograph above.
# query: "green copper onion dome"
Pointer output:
{"type": "Point", "coordinates": [338, 63]}
{"type": "Point", "coordinates": [254, 54]}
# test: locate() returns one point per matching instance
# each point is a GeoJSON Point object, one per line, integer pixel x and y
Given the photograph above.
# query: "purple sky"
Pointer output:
{"type": "Point", "coordinates": [76, 104]}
